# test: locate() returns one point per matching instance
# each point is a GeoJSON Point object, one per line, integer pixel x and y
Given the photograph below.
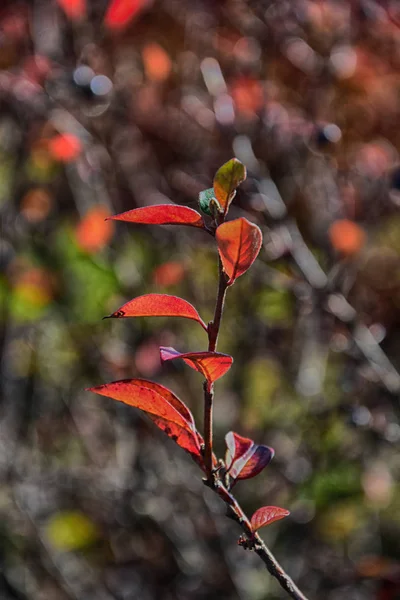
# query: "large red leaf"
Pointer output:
{"type": "Point", "coordinates": [244, 458]}
{"type": "Point", "coordinates": [239, 243]}
{"type": "Point", "coordinates": [158, 305]}
{"type": "Point", "coordinates": [170, 397]}
{"type": "Point", "coordinates": [212, 365]}
{"type": "Point", "coordinates": [267, 515]}
{"type": "Point", "coordinates": [162, 214]}
{"type": "Point", "coordinates": [236, 447]}
{"type": "Point", "coordinates": [164, 408]}
{"type": "Point", "coordinates": [188, 440]}
{"type": "Point", "coordinates": [121, 12]}
{"type": "Point", "coordinates": [137, 393]}
{"type": "Point", "coordinates": [226, 180]}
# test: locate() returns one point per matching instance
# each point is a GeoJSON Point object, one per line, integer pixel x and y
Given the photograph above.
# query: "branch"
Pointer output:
{"type": "Point", "coordinates": [254, 542]}
{"type": "Point", "coordinates": [213, 331]}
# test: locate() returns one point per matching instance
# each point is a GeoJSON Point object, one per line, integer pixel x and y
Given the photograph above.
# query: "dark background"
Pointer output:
{"type": "Point", "coordinates": [98, 116]}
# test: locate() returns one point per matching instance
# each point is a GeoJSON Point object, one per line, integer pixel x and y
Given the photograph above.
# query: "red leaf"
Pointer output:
{"type": "Point", "coordinates": [236, 447]}
{"type": "Point", "coordinates": [165, 409]}
{"type": "Point", "coordinates": [244, 458]}
{"type": "Point", "coordinates": [267, 515]}
{"type": "Point", "coordinates": [171, 398]}
{"type": "Point", "coordinates": [74, 9]}
{"type": "Point", "coordinates": [162, 214]}
{"type": "Point", "coordinates": [158, 305]}
{"type": "Point", "coordinates": [212, 365]}
{"type": "Point", "coordinates": [239, 243]}
{"type": "Point", "coordinates": [120, 12]}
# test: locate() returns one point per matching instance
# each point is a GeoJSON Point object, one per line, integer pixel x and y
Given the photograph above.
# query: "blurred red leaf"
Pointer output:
{"type": "Point", "coordinates": [246, 458]}
{"type": "Point", "coordinates": [212, 365]}
{"type": "Point", "coordinates": [74, 9]}
{"type": "Point", "coordinates": [267, 515]}
{"type": "Point", "coordinates": [248, 95]}
{"type": "Point", "coordinates": [346, 236]}
{"type": "Point", "coordinates": [162, 214]}
{"type": "Point", "coordinates": [239, 243]}
{"type": "Point", "coordinates": [156, 62]}
{"type": "Point", "coordinates": [226, 180]}
{"type": "Point", "coordinates": [158, 305]}
{"type": "Point", "coordinates": [169, 273]}
{"type": "Point", "coordinates": [164, 408]}
{"type": "Point", "coordinates": [236, 447]}
{"type": "Point", "coordinates": [93, 232]}
{"type": "Point", "coordinates": [65, 147]}
{"type": "Point", "coordinates": [121, 12]}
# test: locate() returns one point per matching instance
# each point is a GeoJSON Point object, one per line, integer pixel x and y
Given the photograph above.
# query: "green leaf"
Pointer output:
{"type": "Point", "coordinates": [205, 198]}
{"type": "Point", "coordinates": [226, 180]}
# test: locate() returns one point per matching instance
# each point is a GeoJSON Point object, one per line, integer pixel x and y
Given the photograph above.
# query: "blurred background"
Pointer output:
{"type": "Point", "coordinates": [110, 105]}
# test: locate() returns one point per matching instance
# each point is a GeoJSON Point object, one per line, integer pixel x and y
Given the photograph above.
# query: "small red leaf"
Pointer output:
{"type": "Point", "coordinates": [165, 409]}
{"type": "Point", "coordinates": [267, 515]}
{"type": "Point", "coordinates": [236, 447]}
{"type": "Point", "coordinates": [158, 305]}
{"type": "Point", "coordinates": [226, 180]}
{"type": "Point", "coordinates": [252, 463]}
{"type": "Point", "coordinates": [212, 365]}
{"type": "Point", "coordinates": [120, 12]}
{"type": "Point", "coordinates": [162, 214]}
{"type": "Point", "coordinates": [244, 458]}
{"type": "Point", "coordinates": [239, 243]}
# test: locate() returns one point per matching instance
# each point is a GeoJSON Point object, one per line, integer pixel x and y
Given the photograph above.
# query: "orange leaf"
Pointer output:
{"type": "Point", "coordinates": [65, 147]}
{"type": "Point", "coordinates": [212, 365]}
{"type": "Point", "coordinates": [120, 12]}
{"type": "Point", "coordinates": [156, 62]}
{"type": "Point", "coordinates": [239, 243]}
{"type": "Point", "coordinates": [226, 180]}
{"type": "Point", "coordinates": [158, 305]}
{"type": "Point", "coordinates": [346, 236]}
{"type": "Point", "coordinates": [74, 9]}
{"type": "Point", "coordinates": [93, 232]}
{"type": "Point", "coordinates": [267, 515]}
{"type": "Point", "coordinates": [162, 406]}
{"type": "Point", "coordinates": [162, 214]}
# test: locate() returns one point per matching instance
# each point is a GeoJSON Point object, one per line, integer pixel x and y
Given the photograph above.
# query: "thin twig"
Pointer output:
{"type": "Point", "coordinates": [254, 542]}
